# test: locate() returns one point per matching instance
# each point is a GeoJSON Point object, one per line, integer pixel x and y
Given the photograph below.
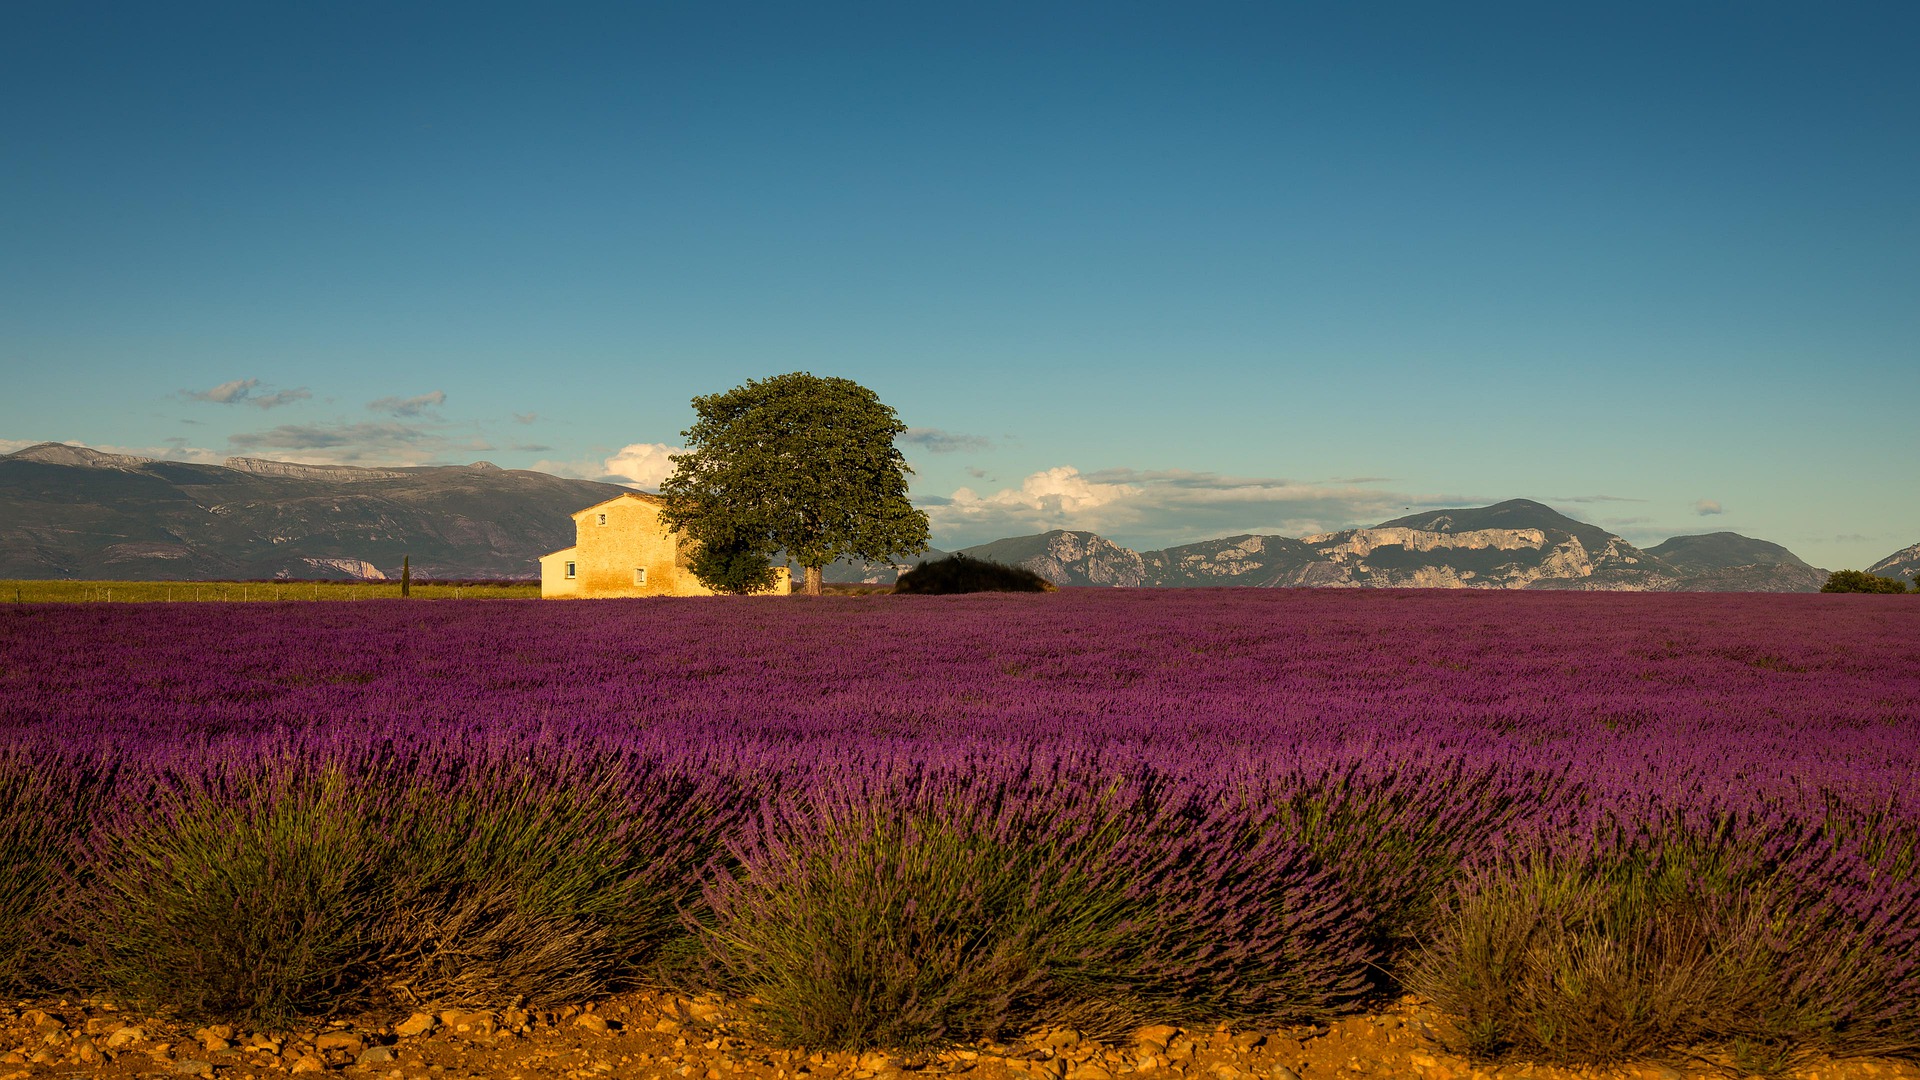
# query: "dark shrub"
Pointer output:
{"type": "Point", "coordinates": [253, 899]}
{"type": "Point", "coordinates": [1862, 582]}
{"type": "Point", "coordinates": [962, 574]}
{"type": "Point", "coordinates": [544, 881]}
{"type": "Point", "coordinates": [736, 569]}
{"type": "Point", "coordinates": [43, 806]}
{"type": "Point", "coordinates": [1730, 939]}
{"type": "Point", "coordinates": [957, 910]}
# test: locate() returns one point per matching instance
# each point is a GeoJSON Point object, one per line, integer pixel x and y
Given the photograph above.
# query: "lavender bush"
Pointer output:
{"type": "Point", "coordinates": [972, 813]}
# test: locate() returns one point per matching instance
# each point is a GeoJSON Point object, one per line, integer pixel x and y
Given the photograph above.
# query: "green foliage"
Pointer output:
{"type": "Point", "coordinates": [879, 931]}
{"type": "Point", "coordinates": [260, 909]}
{"type": "Point", "coordinates": [962, 574]}
{"type": "Point", "coordinates": [735, 568]}
{"type": "Point", "coordinates": [795, 463]}
{"type": "Point", "coordinates": [524, 891]}
{"type": "Point", "coordinates": [40, 808]}
{"type": "Point", "coordinates": [1859, 581]}
{"type": "Point", "coordinates": [1674, 947]}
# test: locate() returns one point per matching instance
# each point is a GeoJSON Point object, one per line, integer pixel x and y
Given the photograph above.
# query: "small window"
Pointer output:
{"type": "Point", "coordinates": [639, 575]}
{"type": "Point", "coordinates": [603, 519]}
{"type": "Point", "coordinates": [569, 569]}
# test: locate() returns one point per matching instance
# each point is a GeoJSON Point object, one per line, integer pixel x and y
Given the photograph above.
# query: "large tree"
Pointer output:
{"type": "Point", "coordinates": [795, 463]}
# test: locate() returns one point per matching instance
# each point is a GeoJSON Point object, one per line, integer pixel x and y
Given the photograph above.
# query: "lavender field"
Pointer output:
{"type": "Point", "coordinates": [1589, 826]}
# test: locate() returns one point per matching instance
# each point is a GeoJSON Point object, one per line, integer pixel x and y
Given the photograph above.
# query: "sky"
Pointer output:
{"type": "Point", "coordinates": [1167, 272]}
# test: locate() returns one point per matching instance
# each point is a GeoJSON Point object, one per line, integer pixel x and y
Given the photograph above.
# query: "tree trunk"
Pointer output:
{"type": "Point", "coordinates": [812, 586]}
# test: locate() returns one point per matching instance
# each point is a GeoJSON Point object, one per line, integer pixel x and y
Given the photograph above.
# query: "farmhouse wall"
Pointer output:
{"type": "Point", "coordinates": [622, 548]}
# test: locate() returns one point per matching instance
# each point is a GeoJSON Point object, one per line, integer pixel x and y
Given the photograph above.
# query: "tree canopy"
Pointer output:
{"type": "Point", "coordinates": [795, 463]}
{"type": "Point", "coordinates": [1861, 581]}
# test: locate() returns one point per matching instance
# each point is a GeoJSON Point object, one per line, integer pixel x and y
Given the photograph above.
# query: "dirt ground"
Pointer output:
{"type": "Point", "coordinates": [657, 1037]}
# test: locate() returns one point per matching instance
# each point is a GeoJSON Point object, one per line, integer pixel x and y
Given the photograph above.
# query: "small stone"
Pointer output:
{"type": "Point", "coordinates": [338, 1040]}
{"type": "Point", "coordinates": [1158, 1034]}
{"type": "Point", "coordinates": [1089, 1072]}
{"type": "Point", "coordinates": [308, 1063]}
{"type": "Point", "coordinates": [469, 1023]}
{"type": "Point", "coordinates": [214, 1045]}
{"type": "Point", "coordinates": [1224, 1071]}
{"type": "Point", "coordinates": [1246, 1041]}
{"type": "Point", "coordinates": [1281, 1072]}
{"type": "Point", "coordinates": [85, 1052]}
{"type": "Point", "coordinates": [193, 1067]}
{"type": "Point", "coordinates": [126, 1035]}
{"type": "Point", "coordinates": [668, 1027]}
{"type": "Point", "coordinates": [593, 1022]}
{"type": "Point", "coordinates": [1425, 1061]}
{"type": "Point", "coordinates": [702, 1011]}
{"type": "Point", "coordinates": [1062, 1039]}
{"type": "Point", "coordinates": [418, 1024]}
{"type": "Point", "coordinates": [375, 1055]}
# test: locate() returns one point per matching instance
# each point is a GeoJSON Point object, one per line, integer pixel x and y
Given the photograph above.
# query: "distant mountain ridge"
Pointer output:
{"type": "Point", "coordinates": [1903, 564]}
{"type": "Point", "coordinates": [74, 512]}
{"type": "Point", "coordinates": [1517, 544]}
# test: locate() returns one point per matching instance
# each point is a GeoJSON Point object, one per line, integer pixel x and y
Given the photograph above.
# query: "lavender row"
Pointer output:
{"type": "Point", "coordinates": [1193, 805]}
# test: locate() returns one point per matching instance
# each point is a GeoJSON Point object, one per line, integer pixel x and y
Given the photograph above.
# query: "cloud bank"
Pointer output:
{"type": "Point", "coordinates": [1708, 508]}
{"type": "Point", "coordinates": [243, 392]}
{"type": "Point", "coordinates": [936, 441]}
{"type": "Point", "coordinates": [413, 406]}
{"type": "Point", "coordinates": [1154, 509]}
{"type": "Point", "coordinates": [636, 465]}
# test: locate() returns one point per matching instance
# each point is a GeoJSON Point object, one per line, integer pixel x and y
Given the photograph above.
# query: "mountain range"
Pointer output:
{"type": "Point", "coordinates": [1518, 544]}
{"type": "Point", "coordinates": [72, 512]}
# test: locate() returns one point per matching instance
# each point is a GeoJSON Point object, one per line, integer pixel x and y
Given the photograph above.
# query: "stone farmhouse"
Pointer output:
{"type": "Point", "coordinates": [622, 548]}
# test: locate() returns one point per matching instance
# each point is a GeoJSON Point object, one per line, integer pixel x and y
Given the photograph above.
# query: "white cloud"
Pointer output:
{"type": "Point", "coordinates": [636, 465]}
{"type": "Point", "coordinates": [242, 392]}
{"type": "Point", "coordinates": [1158, 508]}
{"type": "Point", "coordinates": [642, 465]}
{"type": "Point", "coordinates": [413, 406]}
{"type": "Point", "coordinates": [1708, 507]}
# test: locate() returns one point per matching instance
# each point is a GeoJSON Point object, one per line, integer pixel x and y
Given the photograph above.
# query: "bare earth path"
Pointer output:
{"type": "Point", "coordinates": [660, 1037]}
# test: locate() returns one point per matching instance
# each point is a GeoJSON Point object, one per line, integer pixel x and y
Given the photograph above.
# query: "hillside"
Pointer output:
{"type": "Point", "coordinates": [70, 512]}
{"type": "Point", "coordinates": [1903, 564]}
{"type": "Point", "coordinates": [1729, 562]}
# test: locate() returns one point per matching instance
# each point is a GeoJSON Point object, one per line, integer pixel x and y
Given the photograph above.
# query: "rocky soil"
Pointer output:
{"type": "Point", "coordinates": [657, 1037]}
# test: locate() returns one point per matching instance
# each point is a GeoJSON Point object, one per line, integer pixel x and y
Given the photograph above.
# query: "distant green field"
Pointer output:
{"type": "Point", "coordinates": [139, 592]}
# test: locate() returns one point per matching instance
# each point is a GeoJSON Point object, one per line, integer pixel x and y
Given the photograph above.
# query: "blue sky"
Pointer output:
{"type": "Point", "coordinates": [1168, 272]}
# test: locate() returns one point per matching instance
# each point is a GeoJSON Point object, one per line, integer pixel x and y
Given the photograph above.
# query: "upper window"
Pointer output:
{"type": "Point", "coordinates": [569, 569]}
{"type": "Point", "coordinates": [603, 519]}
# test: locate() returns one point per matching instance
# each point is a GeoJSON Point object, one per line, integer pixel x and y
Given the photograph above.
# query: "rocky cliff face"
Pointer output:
{"type": "Point", "coordinates": [1903, 564]}
{"type": "Point", "coordinates": [1512, 545]}
{"type": "Point", "coordinates": [1068, 558]}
